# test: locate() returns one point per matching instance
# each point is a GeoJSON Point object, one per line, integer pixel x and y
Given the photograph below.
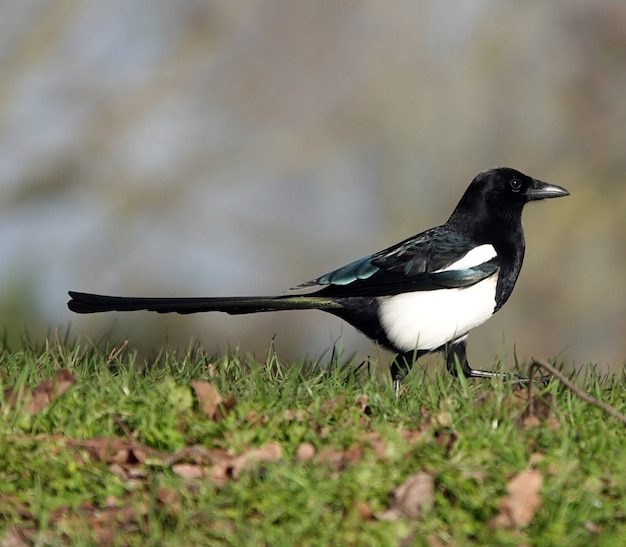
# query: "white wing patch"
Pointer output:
{"type": "Point", "coordinates": [429, 319]}
{"type": "Point", "coordinates": [478, 255]}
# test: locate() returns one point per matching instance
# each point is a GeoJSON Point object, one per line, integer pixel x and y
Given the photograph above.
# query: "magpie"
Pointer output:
{"type": "Point", "coordinates": [422, 295]}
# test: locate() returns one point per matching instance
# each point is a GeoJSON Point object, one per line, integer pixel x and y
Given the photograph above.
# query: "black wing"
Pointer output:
{"type": "Point", "coordinates": [415, 264]}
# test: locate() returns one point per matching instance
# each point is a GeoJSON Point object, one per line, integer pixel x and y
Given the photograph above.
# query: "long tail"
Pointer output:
{"type": "Point", "coordinates": [95, 303]}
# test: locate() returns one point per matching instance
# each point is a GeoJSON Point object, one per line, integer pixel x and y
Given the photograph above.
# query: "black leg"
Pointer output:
{"type": "Point", "coordinates": [456, 353]}
{"type": "Point", "coordinates": [401, 366]}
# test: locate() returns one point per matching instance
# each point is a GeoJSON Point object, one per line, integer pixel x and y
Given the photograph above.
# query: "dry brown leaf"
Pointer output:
{"type": "Point", "coordinates": [118, 471]}
{"type": "Point", "coordinates": [340, 458]}
{"type": "Point", "coordinates": [109, 522]}
{"type": "Point", "coordinates": [198, 454]}
{"type": "Point", "coordinates": [519, 507]}
{"type": "Point", "coordinates": [414, 496]}
{"type": "Point", "coordinates": [231, 467]}
{"type": "Point", "coordinates": [15, 537]}
{"type": "Point", "coordinates": [540, 409]}
{"type": "Point", "coordinates": [211, 402]}
{"type": "Point", "coordinates": [330, 405]}
{"type": "Point", "coordinates": [332, 456]}
{"type": "Point", "coordinates": [221, 473]}
{"type": "Point", "coordinates": [411, 436]}
{"type": "Point", "coordinates": [48, 391]}
{"type": "Point", "coordinates": [137, 473]}
{"type": "Point", "coordinates": [297, 415]}
{"type": "Point", "coordinates": [305, 452]}
{"type": "Point", "coordinates": [434, 541]}
{"type": "Point", "coordinates": [170, 499]}
{"type": "Point", "coordinates": [115, 450]}
{"type": "Point", "coordinates": [252, 418]}
{"type": "Point", "coordinates": [269, 452]}
{"type": "Point", "coordinates": [189, 470]}
{"type": "Point", "coordinates": [323, 431]}
{"type": "Point", "coordinates": [354, 454]}
{"type": "Point", "coordinates": [529, 420]}
{"type": "Point", "coordinates": [535, 458]}
{"type": "Point", "coordinates": [39, 397]}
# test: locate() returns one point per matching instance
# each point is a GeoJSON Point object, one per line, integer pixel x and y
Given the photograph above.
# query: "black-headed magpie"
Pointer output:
{"type": "Point", "coordinates": [421, 295]}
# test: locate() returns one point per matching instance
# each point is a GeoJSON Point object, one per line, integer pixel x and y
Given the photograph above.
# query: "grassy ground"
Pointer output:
{"type": "Point", "coordinates": [190, 449]}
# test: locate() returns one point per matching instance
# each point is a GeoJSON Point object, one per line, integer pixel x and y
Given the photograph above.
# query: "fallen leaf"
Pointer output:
{"type": "Point", "coordinates": [170, 499]}
{"type": "Point", "coordinates": [119, 471]}
{"type": "Point", "coordinates": [529, 420]}
{"type": "Point", "coordinates": [39, 397]}
{"type": "Point", "coordinates": [109, 522]}
{"type": "Point", "coordinates": [269, 452]}
{"type": "Point", "coordinates": [221, 473]}
{"type": "Point", "coordinates": [198, 454]}
{"type": "Point", "coordinates": [211, 402]}
{"type": "Point", "coordinates": [330, 405]}
{"type": "Point", "coordinates": [15, 537]}
{"type": "Point", "coordinates": [414, 496]}
{"type": "Point", "coordinates": [535, 458]}
{"type": "Point", "coordinates": [305, 452]}
{"type": "Point", "coordinates": [252, 418]}
{"type": "Point", "coordinates": [115, 450]}
{"type": "Point", "coordinates": [411, 436]}
{"type": "Point", "coordinates": [354, 454]}
{"type": "Point", "coordinates": [539, 409]}
{"type": "Point", "coordinates": [188, 470]}
{"type": "Point", "coordinates": [434, 541]}
{"type": "Point", "coordinates": [297, 415]}
{"type": "Point", "coordinates": [332, 456]}
{"type": "Point", "coordinates": [340, 458]}
{"type": "Point", "coordinates": [48, 391]}
{"type": "Point", "coordinates": [519, 507]}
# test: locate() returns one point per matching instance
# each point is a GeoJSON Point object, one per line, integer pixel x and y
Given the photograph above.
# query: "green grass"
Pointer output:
{"type": "Point", "coordinates": [466, 434]}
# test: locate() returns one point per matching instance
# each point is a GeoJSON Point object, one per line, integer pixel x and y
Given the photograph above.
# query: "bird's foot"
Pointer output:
{"type": "Point", "coordinates": [396, 387]}
{"type": "Point", "coordinates": [506, 376]}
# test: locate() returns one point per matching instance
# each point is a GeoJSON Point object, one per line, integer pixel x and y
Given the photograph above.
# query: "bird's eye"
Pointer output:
{"type": "Point", "coordinates": [516, 184]}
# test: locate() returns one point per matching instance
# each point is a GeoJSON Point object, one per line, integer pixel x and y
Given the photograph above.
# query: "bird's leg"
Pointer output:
{"type": "Point", "coordinates": [401, 366]}
{"type": "Point", "coordinates": [456, 353]}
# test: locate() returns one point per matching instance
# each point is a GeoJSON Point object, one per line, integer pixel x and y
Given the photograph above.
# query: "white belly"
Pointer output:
{"type": "Point", "coordinates": [429, 319]}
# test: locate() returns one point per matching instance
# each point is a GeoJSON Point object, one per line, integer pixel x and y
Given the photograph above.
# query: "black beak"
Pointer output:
{"type": "Point", "coordinates": [543, 190]}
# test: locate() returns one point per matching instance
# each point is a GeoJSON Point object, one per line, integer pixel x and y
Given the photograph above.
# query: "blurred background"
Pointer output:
{"type": "Point", "coordinates": [187, 147]}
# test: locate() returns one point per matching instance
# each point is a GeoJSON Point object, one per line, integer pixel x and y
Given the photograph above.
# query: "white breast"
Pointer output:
{"type": "Point", "coordinates": [429, 319]}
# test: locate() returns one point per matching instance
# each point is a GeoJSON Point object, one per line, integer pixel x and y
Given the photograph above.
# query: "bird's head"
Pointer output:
{"type": "Point", "coordinates": [500, 195]}
{"type": "Point", "coordinates": [508, 188]}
